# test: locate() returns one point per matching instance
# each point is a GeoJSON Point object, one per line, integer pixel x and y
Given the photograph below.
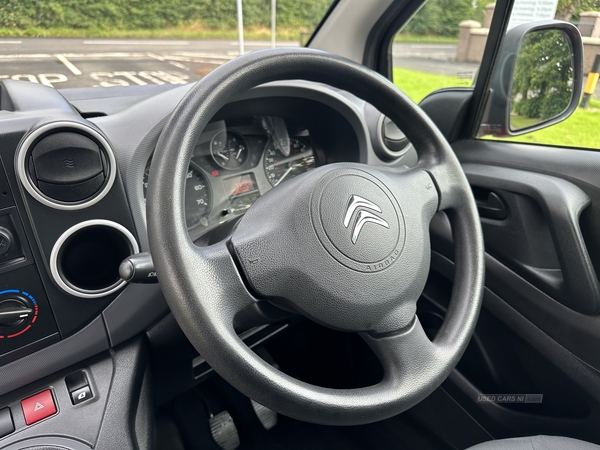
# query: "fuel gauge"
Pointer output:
{"type": "Point", "coordinates": [229, 150]}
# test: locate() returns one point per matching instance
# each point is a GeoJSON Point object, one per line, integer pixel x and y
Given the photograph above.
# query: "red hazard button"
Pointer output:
{"type": "Point", "coordinates": [38, 407]}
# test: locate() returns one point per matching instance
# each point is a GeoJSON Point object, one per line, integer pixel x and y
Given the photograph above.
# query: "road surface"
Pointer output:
{"type": "Point", "coordinates": [71, 63]}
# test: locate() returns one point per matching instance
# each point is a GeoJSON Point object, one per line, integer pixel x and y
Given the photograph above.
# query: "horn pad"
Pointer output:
{"type": "Point", "coordinates": [338, 246]}
{"type": "Point", "coordinates": [358, 221]}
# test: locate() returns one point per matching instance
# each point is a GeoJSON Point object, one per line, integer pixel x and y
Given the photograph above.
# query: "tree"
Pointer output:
{"type": "Point", "coordinates": [441, 17]}
{"type": "Point", "coordinates": [543, 77]}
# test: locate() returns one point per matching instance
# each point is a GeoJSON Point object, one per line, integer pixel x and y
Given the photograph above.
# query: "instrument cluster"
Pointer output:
{"type": "Point", "coordinates": [235, 162]}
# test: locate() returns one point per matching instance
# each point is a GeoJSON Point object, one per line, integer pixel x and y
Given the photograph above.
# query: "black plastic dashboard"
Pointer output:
{"type": "Point", "coordinates": [63, 255]}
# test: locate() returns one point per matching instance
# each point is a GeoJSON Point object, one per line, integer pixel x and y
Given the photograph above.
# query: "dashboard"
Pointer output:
{"type": "Point", "coordinates": [75, 168]}
{"type": "Point", "coordinates": [235, 162]}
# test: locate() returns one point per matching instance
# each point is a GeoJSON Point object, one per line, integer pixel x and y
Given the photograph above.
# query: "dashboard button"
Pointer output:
{"type": "Point", "coordinates": [6, 422]}
{"type": "Point", "coordinates": [38, 407]}
{"type": "Point", "coordinates": [81, 395]}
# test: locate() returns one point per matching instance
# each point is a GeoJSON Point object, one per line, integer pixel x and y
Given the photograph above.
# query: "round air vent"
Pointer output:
{"type": "Point", "coordinates": [393, 141]}
{"type": "Point", "coordinates": [66, 165]}
{"type": "Point", "coordinates": [85, 260]}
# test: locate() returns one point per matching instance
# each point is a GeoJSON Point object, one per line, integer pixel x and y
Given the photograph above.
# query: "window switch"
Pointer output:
{"type": "Point", "coordinates": [76, 381]}
{"type": "Point", "coordinates": [81, 395]}
{"type": "Point", "coordinates": [6, 422]}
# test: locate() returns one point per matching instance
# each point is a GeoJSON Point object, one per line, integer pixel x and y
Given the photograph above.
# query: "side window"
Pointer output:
{"type": "Point", "coordinates": [441, 46]}
{"type": "Point", "coordinates": [531, 79]}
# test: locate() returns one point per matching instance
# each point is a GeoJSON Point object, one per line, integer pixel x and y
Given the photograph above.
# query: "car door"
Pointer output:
{"type": "Point", "coordinates": [533, 364]}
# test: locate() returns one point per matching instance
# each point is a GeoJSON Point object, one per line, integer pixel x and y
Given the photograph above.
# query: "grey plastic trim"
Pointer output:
{"type": "Point", "coordinates": [83, 344]}
{"type": "Point", "coordinates": [347, 29]}
{"type": "Point", "coordinates": [134, 311]}
{"type": "Point", "coordinates": [48, 441]}
{"type": "Point", "coordinates": [73, 290]}
{"type": "Point", "coordinates": [23, 175]}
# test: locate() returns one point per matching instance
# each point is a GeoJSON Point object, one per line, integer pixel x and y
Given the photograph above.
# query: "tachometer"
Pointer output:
{"type": "Point", "coordinates": [197, 196]}
{"type": "Point", "coordinates": [279, 167]}
{"type": "Point", "coordinates": [229, 150]}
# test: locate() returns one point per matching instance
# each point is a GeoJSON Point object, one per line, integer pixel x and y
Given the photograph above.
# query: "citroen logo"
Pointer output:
{"type": "Point", "coordinates": [363, 217]}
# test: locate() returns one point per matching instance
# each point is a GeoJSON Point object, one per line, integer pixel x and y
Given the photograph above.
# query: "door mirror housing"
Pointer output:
{"type": "Point", "coordinates": [538, 79]}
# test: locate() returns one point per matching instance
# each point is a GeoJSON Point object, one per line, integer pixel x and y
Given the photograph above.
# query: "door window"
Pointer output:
{"type": "Point", "coordinates": [582, 128]}
{"type": "Point", "coordinates": [441, 46]}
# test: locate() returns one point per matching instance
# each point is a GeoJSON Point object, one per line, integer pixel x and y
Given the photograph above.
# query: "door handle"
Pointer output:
{"type": "Point", "coordinates": [489, 204]}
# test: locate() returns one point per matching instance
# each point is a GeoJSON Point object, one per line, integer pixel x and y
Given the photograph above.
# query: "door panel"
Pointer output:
{"type": "Point", "coordinates": [539, 330]}
{"type": "Point", "coordinates": [537, 233]}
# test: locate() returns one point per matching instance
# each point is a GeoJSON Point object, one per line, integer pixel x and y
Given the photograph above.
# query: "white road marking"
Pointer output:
{"type": "Point", "coordinates": [177, 56]}
{"type": "Point", "coordinates": [27, 56]}
{"type": "Point", "coordinates": [181, 66]}
{"type": "Point", "coordinates": [152, 55]}
{"type": "Point", "coordinates": [74, 56]}
{"type": "Point", "coordinates": [196, 60]}
{"type": "Point", "coordinates": [69, 64]}
{"type": "Point", "coordinates": [148, 76]}
{"type": "Point", "coordinates": [47, 79]}
{"type": "Point", "coordinates": [25, 77]}
{"type": "Point", "coordinates": [106, 55]}
{"type": "Point", "coordinates": [107, 79]}
{"type": "Point", "coordinates": [11, 42]}
{"type": "Point", "coordinates": [202, 55]}
{"type": "Point", "coordinates": [131, 76]}
{"type": "Point", "coordinates": [128, 42]}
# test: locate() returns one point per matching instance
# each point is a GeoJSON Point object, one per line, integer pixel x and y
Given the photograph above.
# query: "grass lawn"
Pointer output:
{"type": "Point", "coordinates": [520, 122]}
{"type": "Point", "coordinates": [582, 129]}
{"type": "Point", "coordinates": [417, 85]}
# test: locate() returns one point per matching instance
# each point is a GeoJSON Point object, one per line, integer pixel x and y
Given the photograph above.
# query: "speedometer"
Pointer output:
{"type": "Point", "coordinates": [197, 196]}
{"type": "Point", "coordinates": [279, 167]}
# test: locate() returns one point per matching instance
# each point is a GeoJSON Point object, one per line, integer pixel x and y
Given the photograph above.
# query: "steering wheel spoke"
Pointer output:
{"type": "Point", "coordinates": [449, 182]}
{"type": "Point", "coordinates": [416, 192]}
{"type": "Point", "coordinates": [409, 359]}
{"type": "Point", "coordinates": [219, 282]}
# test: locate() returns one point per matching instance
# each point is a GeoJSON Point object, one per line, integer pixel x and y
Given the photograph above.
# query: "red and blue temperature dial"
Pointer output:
{"type": "Point", "coordinates": [18, 312]}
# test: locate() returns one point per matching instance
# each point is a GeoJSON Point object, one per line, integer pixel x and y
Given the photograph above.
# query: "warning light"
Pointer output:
{"type": "Point", "coordinates": [215, 173]}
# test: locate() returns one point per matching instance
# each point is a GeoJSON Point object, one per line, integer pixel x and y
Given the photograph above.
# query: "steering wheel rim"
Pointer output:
{"type": "Point", "coordinates": [206, 287]}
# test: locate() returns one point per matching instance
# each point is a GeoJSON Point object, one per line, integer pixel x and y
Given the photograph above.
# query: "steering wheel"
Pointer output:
{"type": "Point", "coordinates": [346, 245]}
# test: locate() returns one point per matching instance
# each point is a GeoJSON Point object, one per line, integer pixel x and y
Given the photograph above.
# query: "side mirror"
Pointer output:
{"type": "Point", "coordinates": [537, 81]}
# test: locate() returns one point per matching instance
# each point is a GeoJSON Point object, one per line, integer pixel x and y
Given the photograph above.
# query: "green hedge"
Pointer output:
{"type": "Point", "coordinates": [441, 17]}
{"type": "Point", "coordinates": [152, 14]}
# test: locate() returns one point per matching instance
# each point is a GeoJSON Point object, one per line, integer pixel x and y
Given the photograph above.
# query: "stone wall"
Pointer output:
{"type": "Point", "coordinates": [472, 37]}
{"type": "Point", "coordinates": [591, 47]}
{"type": "Point", "coordinates": [589, 24]}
